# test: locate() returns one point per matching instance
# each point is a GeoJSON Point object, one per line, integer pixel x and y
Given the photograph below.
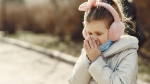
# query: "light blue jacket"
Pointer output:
{"type": "Point", "coordinates": [117, 65]}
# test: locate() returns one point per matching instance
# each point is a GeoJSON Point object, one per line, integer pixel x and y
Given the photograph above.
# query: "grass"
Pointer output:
{"type": "Point", "coordinates": [74, 49]}
{"type": "Point", "coordinates": [144, 69]}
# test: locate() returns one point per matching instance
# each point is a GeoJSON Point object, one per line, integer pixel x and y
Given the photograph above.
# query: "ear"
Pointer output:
{"type": "Point", "coordinates": [83, 7]}
{"type": "Point", "coordinates": [84, 33]}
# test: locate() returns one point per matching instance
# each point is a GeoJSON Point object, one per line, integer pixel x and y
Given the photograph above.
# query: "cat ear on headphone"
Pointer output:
{"type": "Point", "coordinates": [83, 7]}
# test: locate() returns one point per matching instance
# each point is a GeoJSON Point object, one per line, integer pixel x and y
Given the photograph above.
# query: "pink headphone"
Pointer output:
{"type": "Point", "coordinates": [117, 27]}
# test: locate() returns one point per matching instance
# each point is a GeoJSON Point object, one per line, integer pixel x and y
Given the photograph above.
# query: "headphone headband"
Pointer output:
{"type": "Point", "coordinates": [110, 9]}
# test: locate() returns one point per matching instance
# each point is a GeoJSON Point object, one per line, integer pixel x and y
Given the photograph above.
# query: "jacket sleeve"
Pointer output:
{"type": "Point", "coordinates": [80, 74]}
{"type": "Point", "coordinates": [124, 73]}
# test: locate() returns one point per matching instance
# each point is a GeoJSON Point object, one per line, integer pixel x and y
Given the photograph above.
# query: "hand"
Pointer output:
{"type": "Point", "coordinates": [92, 49]}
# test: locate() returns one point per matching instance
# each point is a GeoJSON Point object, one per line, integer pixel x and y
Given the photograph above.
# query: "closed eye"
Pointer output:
{"type": "Point", "coordinates": [98, 33]}
{"type": "Point", "coordinates": [90, 33]}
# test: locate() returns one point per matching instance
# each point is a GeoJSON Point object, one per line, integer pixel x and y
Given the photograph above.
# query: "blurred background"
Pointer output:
{"type": "Point", "coordinates": [57, 24]}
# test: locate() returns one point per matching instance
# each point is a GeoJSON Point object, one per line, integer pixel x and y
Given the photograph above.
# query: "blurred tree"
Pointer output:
{"type": "Point", "coordinates": [143, 13]}
{"type": "Point", "coordinates": [7, 27]}
{"type": "Point", "coordinates": [3, 15]}
{"type": "Point", "coordinates": [57, 30]}
{"type": "Point", "coordinates": [143, 19]}
{"type": "Point", "coordinates": [18, 1]}
{"type": "Point", "coordinates": [68, 20]}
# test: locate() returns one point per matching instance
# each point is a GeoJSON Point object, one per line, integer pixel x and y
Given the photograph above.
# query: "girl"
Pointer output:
{"type": "Point", "coordinates": [108, 55]}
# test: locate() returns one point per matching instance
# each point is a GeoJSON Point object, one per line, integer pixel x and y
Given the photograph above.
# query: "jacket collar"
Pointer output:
{"type": "Point", "coordinates": [125, 42]}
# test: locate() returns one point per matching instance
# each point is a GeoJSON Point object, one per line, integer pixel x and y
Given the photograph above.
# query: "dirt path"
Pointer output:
{"type": "Point", "coordinates": [22, 66]}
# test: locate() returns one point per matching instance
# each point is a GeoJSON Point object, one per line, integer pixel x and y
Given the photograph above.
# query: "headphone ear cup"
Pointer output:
{"type": "Point", "coordinates": [116, 30]}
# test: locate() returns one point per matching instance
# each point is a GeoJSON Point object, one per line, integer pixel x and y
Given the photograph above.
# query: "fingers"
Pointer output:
{"type": "Point", "coordinates": [94, 42]}
{"type": "Point", "coordinates": [91, 42]}
{"type": "Point", "coordinates": [97, 44]}
{"type": "Point", "coordinates": [85, 48]}
{"type": "Point", "coordinates": [86, 45]}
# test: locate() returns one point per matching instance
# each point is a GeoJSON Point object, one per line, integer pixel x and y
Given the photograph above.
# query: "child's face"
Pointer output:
{"type": "Point", "coordinates": [98, 30]}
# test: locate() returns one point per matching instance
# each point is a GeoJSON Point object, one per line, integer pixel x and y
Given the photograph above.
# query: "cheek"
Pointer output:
{"type": "Point", "coordinates": [100, 39]}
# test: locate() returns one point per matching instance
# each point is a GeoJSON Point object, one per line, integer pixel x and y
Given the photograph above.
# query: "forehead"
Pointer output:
{"type": "Point", "coordinates": [96, 26]}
